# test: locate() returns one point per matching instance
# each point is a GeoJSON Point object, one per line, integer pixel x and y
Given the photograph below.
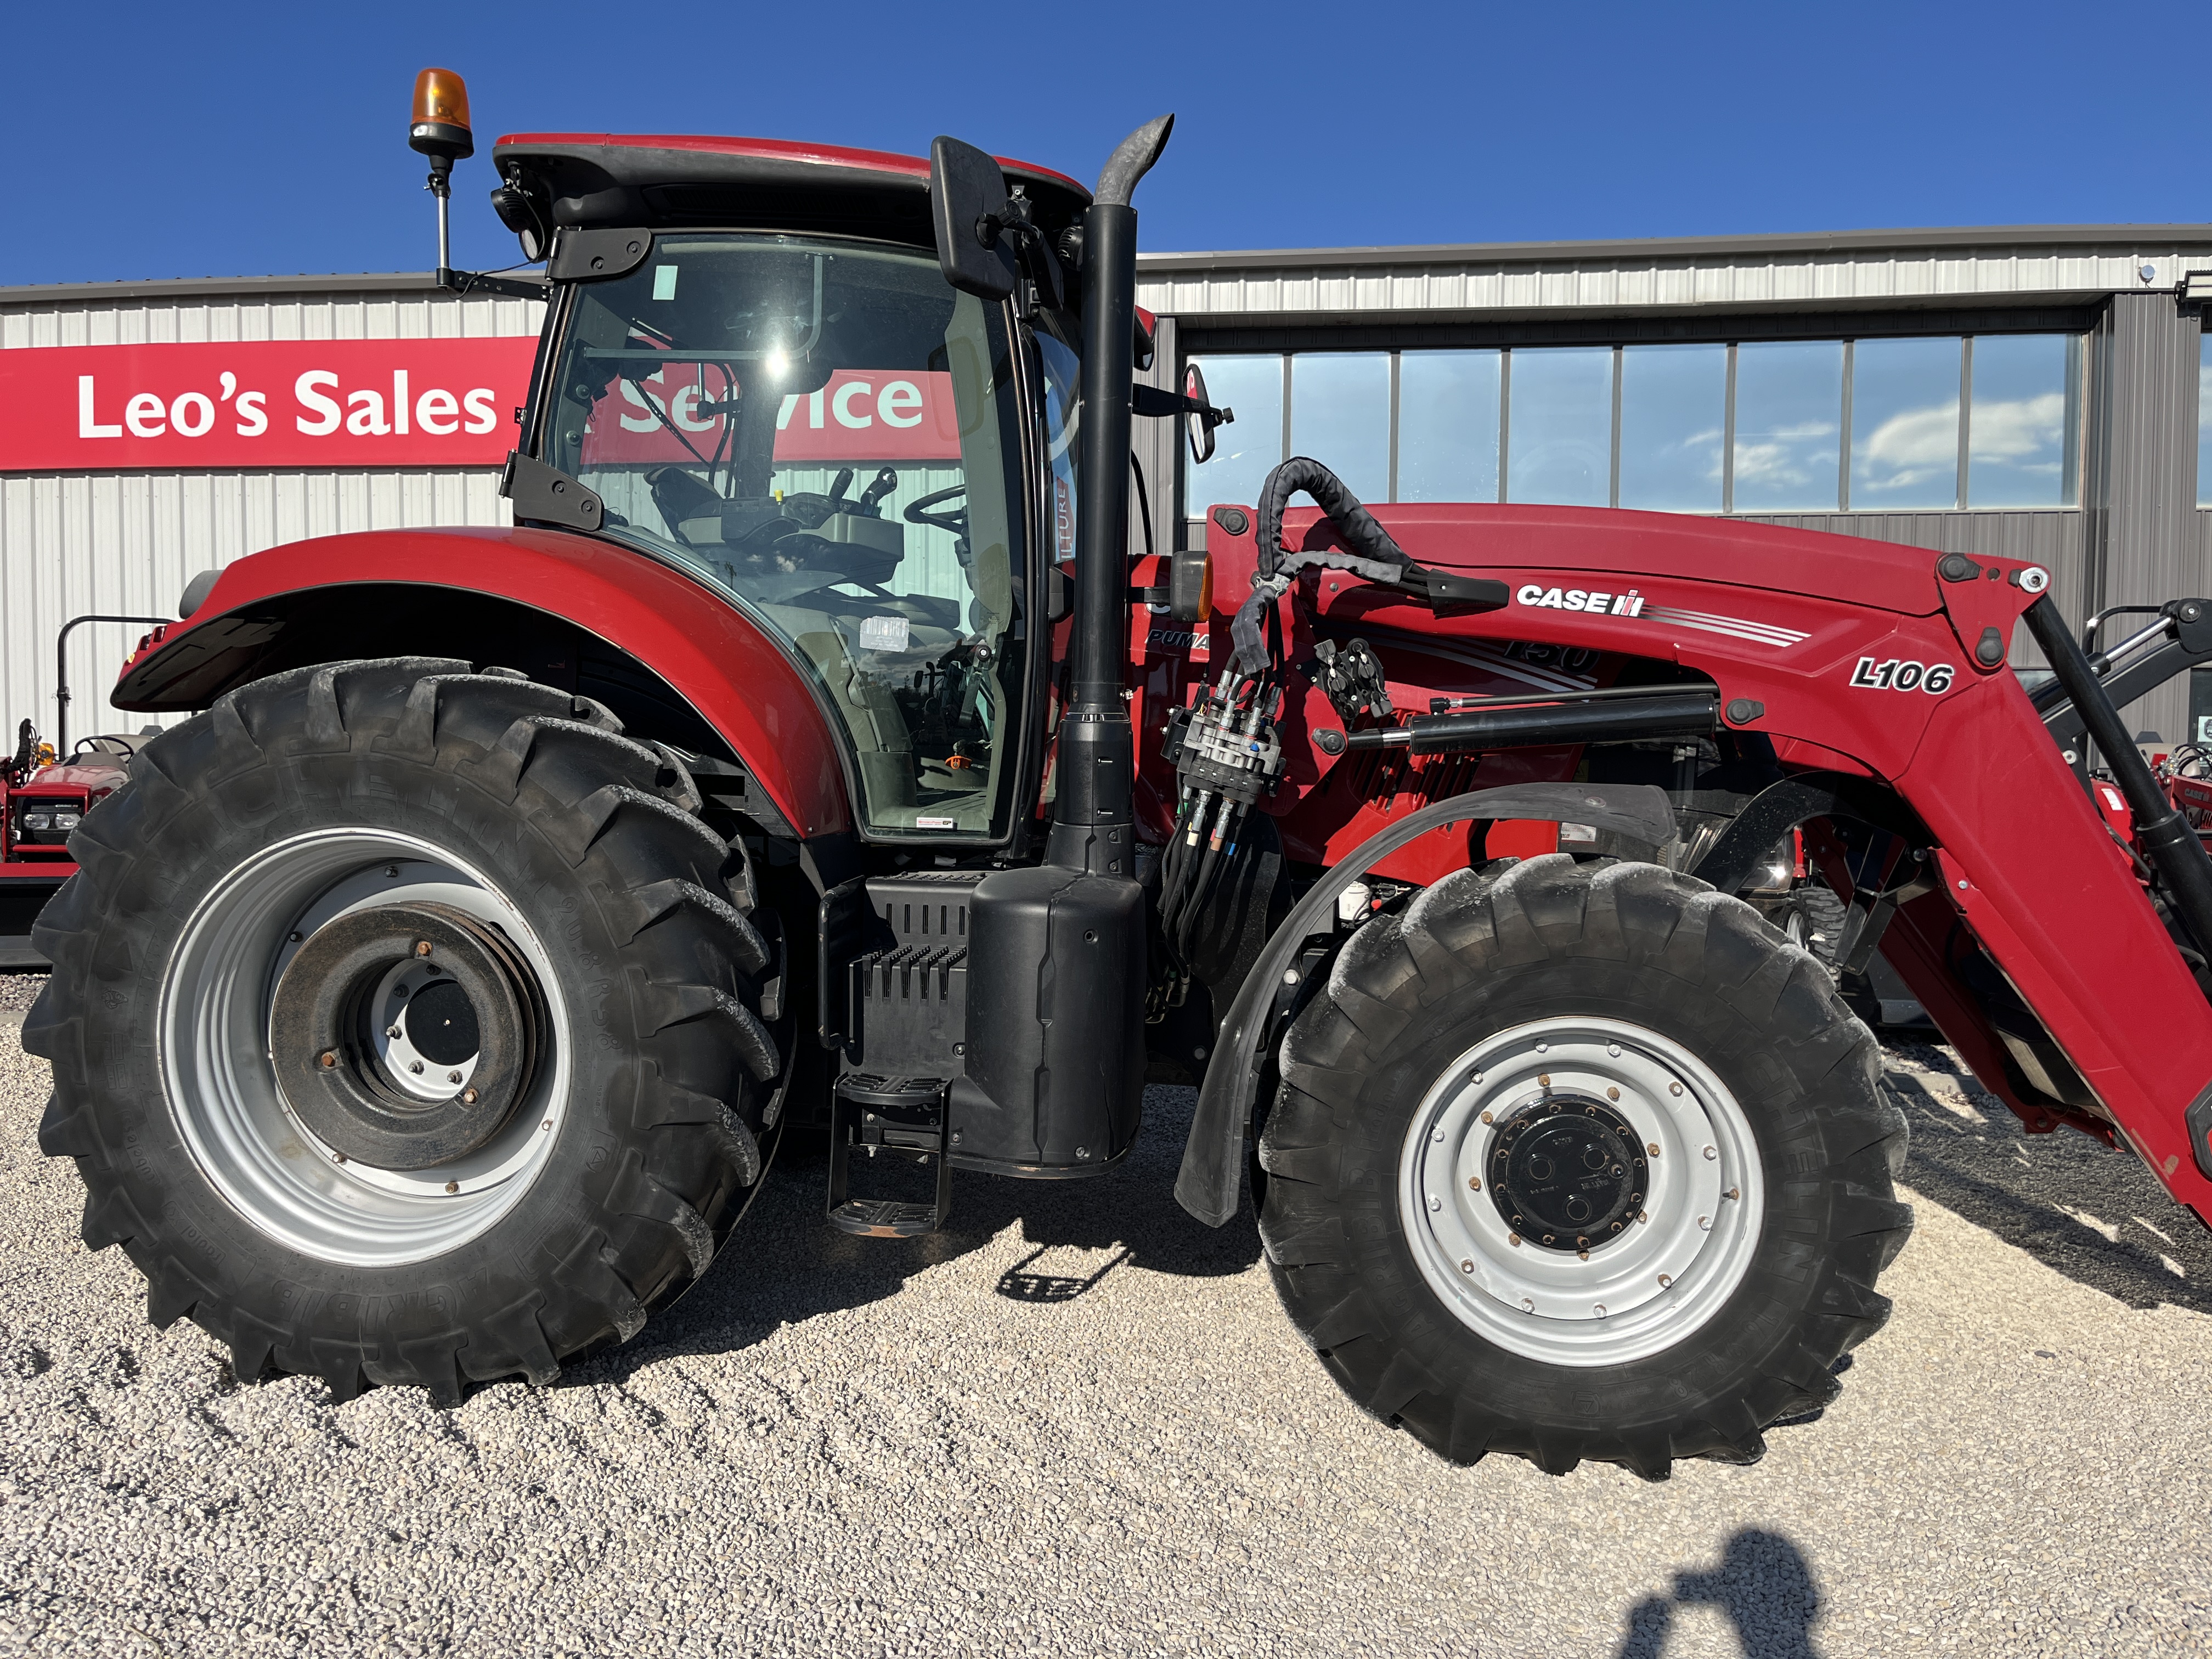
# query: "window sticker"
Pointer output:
{"type": "Point", "coordinates": [664, 282]}
{"type": "Point", "coordinates": [883, 633]}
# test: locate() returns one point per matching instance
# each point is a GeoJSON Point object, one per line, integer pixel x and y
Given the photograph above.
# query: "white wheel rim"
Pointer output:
{"type": "Point", "coordinates": [214, 1038]}
{"type": "Point", "coordinates": [1638, 1293]}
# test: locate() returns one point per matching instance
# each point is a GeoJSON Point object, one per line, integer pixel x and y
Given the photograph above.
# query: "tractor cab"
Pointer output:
{"type": "Point", "coordinates": [816, 426]}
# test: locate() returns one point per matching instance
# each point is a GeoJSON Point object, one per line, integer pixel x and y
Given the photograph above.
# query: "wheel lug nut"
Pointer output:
{"type": "Point", "coordinates": [1599, 1309]}
{"type": "Point", "coordinates": [1673, 1088]}
{"type": "Point", "coordinates": [1474, 1183]}
{"type": "Point", "coordinates": [1435, 1203]}
{"type": "Point", "coordinates": [1585, 1254]}
{"type": "Point", "coordinates": [415, 1066]}
{"type": "Point", "coordinates": [1513, 1239]}
{"type": "Point", "coordinates": [1466, 1265]}
{"type": "Point", "coordinates": [1706, 1223]}
{"type": "Point", "coordinates": [422, 949]}
{"type": "Point", "coordinates": [1733, 1191]}
{"type": "Point", "coordinates": [1613, 1049]}
{"type": "Point", "coordinates": [453, 1186]}
{"type": "Point", "coordinates": [1653, 1149]}
{"type": "Point", "coordinates": [1666, 1280]}
{"type": "Point", "coordinates": [453, 1077]}
{"type": "Point", "coordinates": [1543, 1081]}
{"type": "Point", "coordinates": [1712, 1153]}
{"type": "Point", "coordinates": [1613, 1094]}
{"type": "Point", "coordinates": [1487, 1118]}
{"type": "Point", "coordinates": [330, 1059]}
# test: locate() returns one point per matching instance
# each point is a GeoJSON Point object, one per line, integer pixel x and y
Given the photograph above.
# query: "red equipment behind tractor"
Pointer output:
{"type": "Point", "coordinates": [430, 1002]}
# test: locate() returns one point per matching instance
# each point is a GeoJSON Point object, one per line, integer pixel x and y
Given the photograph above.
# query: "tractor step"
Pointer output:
{"type": "Point", "coordinates": [898, 1117]}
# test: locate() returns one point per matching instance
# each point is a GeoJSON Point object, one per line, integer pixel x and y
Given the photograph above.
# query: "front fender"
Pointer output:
{"type": "Point", "coordinates": [1213, 1158]}
{"type": "Point", "coordinates": [733, 675]}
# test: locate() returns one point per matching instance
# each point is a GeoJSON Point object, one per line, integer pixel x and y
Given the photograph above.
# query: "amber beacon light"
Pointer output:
{"type": "Point", "coordinates": [440, 128]}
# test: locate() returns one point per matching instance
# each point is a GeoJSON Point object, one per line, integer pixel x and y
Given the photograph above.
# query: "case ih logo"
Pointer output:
{"type": "Point", "coordinates": [262, 403]}
{"type": "Point", "coordinates": [1595, 601]}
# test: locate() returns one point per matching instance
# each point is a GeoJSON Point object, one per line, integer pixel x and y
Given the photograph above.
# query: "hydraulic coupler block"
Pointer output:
{"type": "Point", "coordinates": [1230, 753]}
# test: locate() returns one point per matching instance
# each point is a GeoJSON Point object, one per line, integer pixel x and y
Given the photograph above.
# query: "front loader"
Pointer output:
{"type": "Point", "coordinates": [428, 1006]}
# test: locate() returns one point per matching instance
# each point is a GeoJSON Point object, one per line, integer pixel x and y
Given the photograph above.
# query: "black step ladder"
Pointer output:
{"type": "Point", "coordinates": [902, 1117]}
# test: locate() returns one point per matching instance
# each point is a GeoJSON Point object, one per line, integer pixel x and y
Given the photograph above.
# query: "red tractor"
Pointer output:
{"type": "Point", "coordinates": [46, 790]}
{"type": "Point", "coordinates": [428, 1003]}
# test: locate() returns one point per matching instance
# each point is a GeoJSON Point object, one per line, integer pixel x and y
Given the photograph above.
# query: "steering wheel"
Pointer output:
{"type": "Point", "coordinates": [954, 520]}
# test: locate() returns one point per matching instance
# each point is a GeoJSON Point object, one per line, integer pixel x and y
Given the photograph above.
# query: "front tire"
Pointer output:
{"type": "Point", "coordinates": [1578, 1160]}
{"type": "Point", "coordinates": [403, 1027]}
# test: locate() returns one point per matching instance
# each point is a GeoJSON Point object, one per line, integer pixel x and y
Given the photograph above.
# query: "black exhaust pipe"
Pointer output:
{"type": "Point", "coordinates": [1093, 824]}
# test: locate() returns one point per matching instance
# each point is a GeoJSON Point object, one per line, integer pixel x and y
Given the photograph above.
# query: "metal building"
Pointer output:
{"type": "Point", "coordinates": [77, 542]}
{"type": "Point", "coordinates": [2079, 346]}
{"type": "Point", "coordinates": [2034, 392]}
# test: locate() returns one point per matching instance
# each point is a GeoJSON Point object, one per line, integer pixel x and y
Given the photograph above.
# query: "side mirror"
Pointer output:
{"type": "Point", "coordinates": [967, 205]}
{"type": "Point", "coordinates": [1200, 417]}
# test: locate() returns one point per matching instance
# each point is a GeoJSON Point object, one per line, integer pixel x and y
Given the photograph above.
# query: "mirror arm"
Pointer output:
{"type": "Point", "coordinates": [1156, 403]}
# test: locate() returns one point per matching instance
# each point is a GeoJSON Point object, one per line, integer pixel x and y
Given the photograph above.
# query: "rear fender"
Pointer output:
{"type": "Point", "coordinates": [1213, 1158]}
{"type": "Point", "coordinates": [677, 662]}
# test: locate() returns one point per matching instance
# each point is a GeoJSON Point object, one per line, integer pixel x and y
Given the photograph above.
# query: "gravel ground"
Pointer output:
{"type": "Point", "coordinates": [1082, 1426]}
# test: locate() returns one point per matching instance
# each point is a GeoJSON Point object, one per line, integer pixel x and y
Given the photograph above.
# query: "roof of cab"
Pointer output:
{"type": "Point", "coordinates": [609, 179]}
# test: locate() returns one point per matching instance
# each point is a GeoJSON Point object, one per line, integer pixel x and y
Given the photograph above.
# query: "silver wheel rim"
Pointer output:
{"type": "Point", "coordinates": [1636, 1294]}
{"type": "Point", "coordinates": [213, 1031]}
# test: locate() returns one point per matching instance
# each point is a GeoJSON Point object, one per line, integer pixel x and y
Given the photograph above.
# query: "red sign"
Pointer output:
{"type": "Point", "coordinates": [675, 415]}
{"type": "Point", "coordinates": [263, 403]}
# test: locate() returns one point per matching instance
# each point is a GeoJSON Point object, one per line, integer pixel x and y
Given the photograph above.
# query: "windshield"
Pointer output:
{"type": "Point", "coordinates": [826, 433]}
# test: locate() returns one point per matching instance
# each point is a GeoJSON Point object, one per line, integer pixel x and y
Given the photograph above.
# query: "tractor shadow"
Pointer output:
{"type": "Point", "coordinates": [2094, 1213]}
{"type": "Point", "coordinates": [785, 1263]}
{"type": "Point", "coordinates": [1763, 1586]}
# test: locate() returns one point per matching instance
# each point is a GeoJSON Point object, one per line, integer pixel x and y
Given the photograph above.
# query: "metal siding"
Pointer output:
{"type": "Point", "coordinates": [78, 543]}
{"type": "Point", "coordinates": [1560, 281]}
{"type": "Point", "coordinates": [2141, 540]}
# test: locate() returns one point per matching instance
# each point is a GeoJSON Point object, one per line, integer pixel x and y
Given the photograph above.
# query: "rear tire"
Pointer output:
{"type": "Point", "coordinates": [1518, 1022]}
{"type": "Point", "coordinates": [601, 916]}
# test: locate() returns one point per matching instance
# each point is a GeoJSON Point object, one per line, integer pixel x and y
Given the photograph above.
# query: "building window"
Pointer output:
{"type": "Point", "coordinates": [1341, 408]}
{"type": "Point", "coordinates": [1788, 425]}
{"type": "Point", "coordinates": [1904, 424]}
{"type": "Point", "coordinates": [1673, 418]}
{"type": "Point", "coordinates": [1559, 425]}
{"type": "Point", "coordinates": [2023, 428]}
{"type": "Point", "coordinates": [1248, 447]}
{"type": "Point", "coordinates": [1762, 427]}
{"type": "Point", "coordinates": [1448, 425]}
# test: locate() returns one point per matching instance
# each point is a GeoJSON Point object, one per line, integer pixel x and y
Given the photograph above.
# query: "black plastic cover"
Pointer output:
{"type": "Point", "coordinates": [1056, 1047]}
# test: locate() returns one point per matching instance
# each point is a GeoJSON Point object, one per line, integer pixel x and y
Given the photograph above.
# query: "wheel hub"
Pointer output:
{"type": "Point", "coordinates": [1581, 1190]}
{"type": "Point", "coordinates": [1567, 1173]}
{"type": "Point", "coordinates": [403, 1036]}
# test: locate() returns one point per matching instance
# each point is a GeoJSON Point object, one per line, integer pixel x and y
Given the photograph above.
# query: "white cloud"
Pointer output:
{"type": "Point", "coordinates": [2008, 431]}
{"type": "Point", "coordinates": [1909, 447]}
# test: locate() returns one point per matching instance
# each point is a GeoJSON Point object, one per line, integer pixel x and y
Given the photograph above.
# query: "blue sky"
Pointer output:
{"type": "Point", "coordinates": [238, 138]}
